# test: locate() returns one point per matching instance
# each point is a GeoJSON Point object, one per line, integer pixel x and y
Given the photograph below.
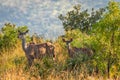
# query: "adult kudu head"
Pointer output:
{"type": "Point", "coordinates": [21, 34]}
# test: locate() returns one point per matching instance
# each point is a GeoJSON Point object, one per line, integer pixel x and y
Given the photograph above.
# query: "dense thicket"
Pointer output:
{"type": "Point", "coordinates": [82, 20]}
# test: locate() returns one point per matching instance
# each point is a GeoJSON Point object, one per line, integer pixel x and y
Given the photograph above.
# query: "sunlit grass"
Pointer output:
{"type": "Point", "coordinates": [14, 66]}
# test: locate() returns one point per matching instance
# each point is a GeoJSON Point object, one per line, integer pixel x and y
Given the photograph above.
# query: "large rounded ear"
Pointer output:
{"type": "Point", "coordinates": [19, 31]}
{"type": "Point", "coordinates": [63, 40]}
{"type": "Point", "coordinates": [71, 39]}
{"type": "Point", "coordinates": [26, 31]}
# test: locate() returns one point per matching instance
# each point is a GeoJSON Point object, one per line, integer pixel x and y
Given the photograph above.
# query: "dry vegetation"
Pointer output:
{"type": "Point", "coordinates": [103, 40]}
{"type": "Point", "coordinates": [13, 66]}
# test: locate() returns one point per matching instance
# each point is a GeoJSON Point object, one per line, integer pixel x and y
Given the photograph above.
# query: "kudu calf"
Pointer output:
{"type": "Point", "coordinates": [72, 51]}
{"type": "Point", "coordinates": [35, 51]}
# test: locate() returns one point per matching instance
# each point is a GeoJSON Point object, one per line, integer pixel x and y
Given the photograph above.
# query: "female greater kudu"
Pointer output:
{"type": "Point", "coordinates": [35, 51]}
{"type": "Point", "coordinates": [73, 50]}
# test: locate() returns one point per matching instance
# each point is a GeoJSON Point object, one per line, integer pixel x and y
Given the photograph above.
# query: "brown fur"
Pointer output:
{"type": "Point", "coordinates": [73, 50]}
{"type": "Point", "coordinates": [36, 51]}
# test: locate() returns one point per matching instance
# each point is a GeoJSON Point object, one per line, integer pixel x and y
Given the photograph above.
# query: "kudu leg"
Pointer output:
{"type": "Point", "coordinates": [30, 60]}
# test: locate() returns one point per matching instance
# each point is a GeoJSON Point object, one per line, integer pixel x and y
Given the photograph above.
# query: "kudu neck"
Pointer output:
{"type": "Point", "coordinates": [68, 47]}
{"type": "Point", "coordinates": [23, 44]}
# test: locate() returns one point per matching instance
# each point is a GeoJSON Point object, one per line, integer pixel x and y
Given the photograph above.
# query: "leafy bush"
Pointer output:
{"type": "Point", "coordinates": [80, 62]}
{"type": "Point", "coordinates": [18, 60]}
{"type": "Point", "coordinates": [42, 67]}
{"type": "Point", "coordinates": [9, 36]}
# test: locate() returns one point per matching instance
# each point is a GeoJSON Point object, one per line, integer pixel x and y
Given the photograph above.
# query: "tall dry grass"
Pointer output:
{"type": "Point", "coordinates": [13, 66]}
